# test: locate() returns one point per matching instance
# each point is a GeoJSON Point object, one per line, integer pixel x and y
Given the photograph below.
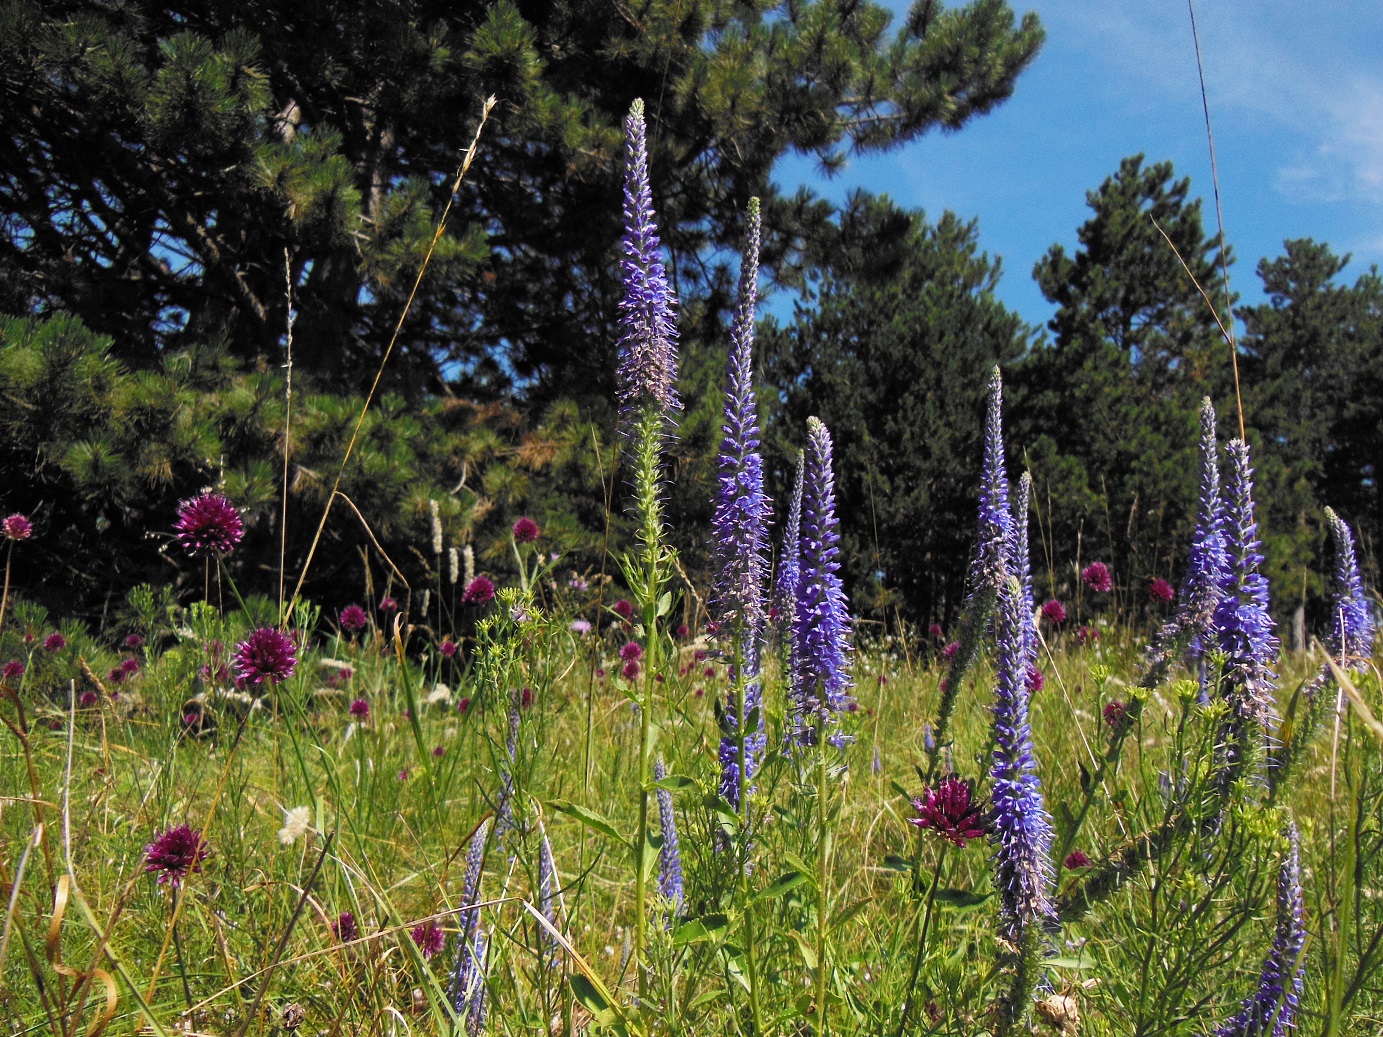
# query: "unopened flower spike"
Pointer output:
{"type": "Point", "coordinates": [1351, 618]}
{"type": "Point", "coordinates": [670, 853]}
{"type": "Point", "coordinates": [467, 981]}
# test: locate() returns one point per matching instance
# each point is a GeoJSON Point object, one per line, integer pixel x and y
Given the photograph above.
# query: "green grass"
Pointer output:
{"type": "Point", "coordinates": [1171, 952]}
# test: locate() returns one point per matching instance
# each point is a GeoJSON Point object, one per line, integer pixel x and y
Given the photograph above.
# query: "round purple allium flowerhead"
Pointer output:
{"type": "Point", "coordinates": [1097, 577]}
{"type": "Point", "coordinates": [134, 641]}
{"type": "Point", "coordinates": [1115, 713]}
{"type": "Point", "coordinates": [17, 527]}
{"type": "Point", "coordinates": [1054, 612]}
{"type": "Point", "coordinates": [88, 699]}
{"type": "Point", "coordinates": [12, 670]}
{"type": "Point", "coordinates": [54, 642]}
{"type": "Point", "coordinates": [360, 709]}
{"type": "Point", "coordinates": [1035, 681]}
{"type": "Point", "coordinates": [1160, 590]}
{"type": "Point", "coordinates": [949, 811]}
{"type": "Point", "coordinates": [1087, 634]}
{"type": "Point", "coordinates": [344, 928]}
{"type": "Point", "coordinates": [630, 669]}
{"type": "Point", "coordinates": [631, 650]}
{"type": "Point", "coordinates": [951, 649]}
{"type": "Point", "coordinates": [1075, 860]}
{"type": "Point", "coordinates": [447, 648]}
{"type": "Point", "coordinates": [429, 938]}
{"type": "Point", "coordinates": [354, 619]}
{"type": "Point", "coordinates": [479, 592]}
{"type": "Point", "coordinates": [388, 604]}
{"type": "Point", "coordinates": [935, 632]}
{"type": "Point", "coordinates": [525, 530]}
{"type": "Point", "coordinates": [175, 854]}
{"type": "Point", "coordinates": [623, 609]}
{"type": "Point", "coordinates": [208, 524]}
{"type": "Point", "coordinates": [266, 655]}
{"type": "Point", "coordinates": [129, 667]}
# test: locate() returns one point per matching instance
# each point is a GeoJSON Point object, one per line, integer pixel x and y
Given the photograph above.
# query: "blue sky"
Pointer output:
{"type": "Point", "coordinates": [1296, 103]}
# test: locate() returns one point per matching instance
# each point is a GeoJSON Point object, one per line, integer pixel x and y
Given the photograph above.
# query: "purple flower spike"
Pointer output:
{"type": "Point", "coordinates": [821, 644]}
{"type": "Point", "coordinates": [1351, 621]}
{"type": "Point", "coordinates": [1272, 1008]}
{"type": "Point", "coordinates": [1022, 830]}
{"type": "Point", "coordinates": [739, 527]}
{"type": "Point", "coordinates": [995, 517]}
{"type": "Point", "coordinates": [1207, 568]}
{"type": "Point", "coordinates": [731, 785]}
{"type": "Point", "coordinates": [1243, 625]}
{"type": "Point", "coordinates": [468, 980]}
{"type": "Point", "coordinates": [670, 854]}
{"type": "Point", "coordinates": [547, 899]}
{"type": "Point", "coordinates": [208, 525]}
{"type": "Point", "coordinates": [790, 564]}
{"type": "Point", "coordinates": [267, 655]}
{"type": "Point", "coordinates": [1019, 562]}
{"type": "Point", "coordinates": [648, 325]}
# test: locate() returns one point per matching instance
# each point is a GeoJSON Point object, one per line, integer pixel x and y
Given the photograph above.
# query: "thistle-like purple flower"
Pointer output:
{"type": "Point", "coordinates": [175, 854]}
{"type": "Point", "coordinates": [670, 853]}
{"type": "Point", "coordinates": [1272, 1008]}
{"type": "Point", "coordinates": [1243, 625]}
{"type": "Point", "coordinates": [1351, 621]}
{"type": "Point", "coordinates": [267, 655]}
{"type": "Point", "coordinates": [479, 592]}
{"type": "Point", "coordinates": [950, 811]}
{"type": "Point", "coordinates": [647, 318]}
{"type": "Point", "coordinates": [1021, 828]}
{"type": "Point", "coordinates": [354, 619]}
{"type": "Point", "coordinates": [208, 524]}
{"type": "Point", "coordinates": [429, 938]}
{"type": "Point", "coordinates": [18, 527]}
{"type": "Point", "coordinates": [821, 627]}
{"type": "Point", "coordinates": [1207, 569]}
{"type": "Point", "coordinates": [468, 981]}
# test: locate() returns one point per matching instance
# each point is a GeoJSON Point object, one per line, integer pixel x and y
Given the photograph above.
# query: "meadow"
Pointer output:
{"type": "Point", "coordinates": [540, 800]}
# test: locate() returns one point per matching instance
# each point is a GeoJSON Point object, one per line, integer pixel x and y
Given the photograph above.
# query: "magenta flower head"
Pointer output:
{"type": "Point", "coordinates": [949, 652]}
{"type": "Point", "coordinates": [525, 530]}
{"type": "Point", "coordinates": [208, 524]}
{"type": "Point", "coordinates": [175, 854]}
{"type": "Point", "coordinates": [447, 648]}
{"type": "Point", "coordinates": [429, 938]}
{"type": "Point", "coordinates": [1097, 577]}
{"type": "Point", "coordinates": [360, 709]}
{"type": "Point", "coordinates": [344, 928]}
{"type": "Point", "coordinates": [1160, 590]}
{"type": "Point", "coordinates": [647, 318]}
{"type": "Point", "coordinates": [631, 650]}
{"type": "Point", "coordinates": [623, 609]}
{"type": "Point", "coordinates": [630, 669]}
{"type": "Point", "coordinates": [354, 619]}
{"type": "Point", "coordinates": [12, 670]}
{"type": "Point", "coordinates": [388, 604]}
{"type": "Point", "coordinates": [1075, 860]}
{"type": "Point", "coordinates": [54, 642]}
{"type": "Point", "coordinates": [950, 811]}
{"type": "Point", "coordinates": [1087, 635]}
{"type": "Point", "coordinates": [266, 655]}
{"type": "Point", "coordinates": [1115, 714]}
{"type": "Point", "coordinates": [16, 527]}
{"type": "Point", "coordinates": [1054, 612]}
{"type": "Point", "coordinates": [935, 632]}
{"type": "Point", "coordinates": [479, 592]}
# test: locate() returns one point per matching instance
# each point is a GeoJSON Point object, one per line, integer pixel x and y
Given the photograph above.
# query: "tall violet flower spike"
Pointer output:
{"type": "Point", "coordinates": [468, 981]}
{"type": "Point", "coordinates": [670, 853]}
{"type": "Point", "coordinates": [1351, 620]}
{"type": "Point", "coordinates": [647, 321]}
{"type": "Point", "coordinates": [739, 530]}
{"type": "Point", "coordinates": [1243, 625]}
{"type": "Point", "coordinates": [790, 564]}
{"type": "Point", "coordinates": [1272, 1008]}
{"type": "Point", "coordinates": [989, 563]}
{"type": "Point", "coordinates": [821, 625]}
{"type": "Point", "coordinates": [1207, 568]}
{"type": "Point", "coordinates": [1022, 570]}
{"type": "Point", "coordinates": [1021, 828]}
{"type": "Point", "coordinates": [547, 899]}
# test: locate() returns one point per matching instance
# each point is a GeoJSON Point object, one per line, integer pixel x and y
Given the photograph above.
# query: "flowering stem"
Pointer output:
{"type": "Point", "coordinates": [823, 838]}
{"type": "Point", "coordinates": [921, 933]}
{"type": "Point", "coordinates": [742, 759]}
{"type": "Point", "coordinates": [5, 597]}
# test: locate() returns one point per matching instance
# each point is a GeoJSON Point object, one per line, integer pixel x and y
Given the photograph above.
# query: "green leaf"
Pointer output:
{"type": "Point", "coordinates": [672, 783]}
{"type": "Point", "coordinates": [592, 1000]}
{"type": "Point", "coordinates": [1069, 963]}
{"type": "Point", "coordinates": [850, 912]}
{"type": "Point", "coordinates": [895, 863]}
{"type": "Point", "coordinates": [590, 819]}
{"type": "Point", "coordinates": [782, 884]}
{"type": "Point", "coordinates": [805, 948]}
{"type": "Point", "coordinates": [665, 604]}
{"type": "Point", "coordinates": [698, 930]}
{"type": "Point", "coordinates": [961, 899]}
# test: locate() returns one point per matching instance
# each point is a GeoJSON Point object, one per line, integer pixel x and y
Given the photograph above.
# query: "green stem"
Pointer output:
{"type": "Point", "coordinates": [823, 877]}
{"type": "Point", "coordinates": [742, 758]}
{"type": "Point", "coordinates": [1344, 913]}
{"type": "Point", "coordinates": [921, 936]}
